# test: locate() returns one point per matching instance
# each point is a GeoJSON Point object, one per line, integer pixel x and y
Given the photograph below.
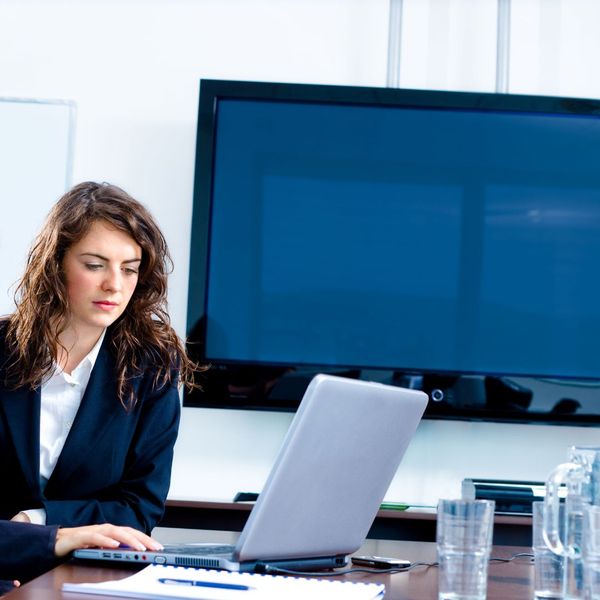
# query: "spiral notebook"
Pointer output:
{"type": "Point", "coordinates": [159, 582]}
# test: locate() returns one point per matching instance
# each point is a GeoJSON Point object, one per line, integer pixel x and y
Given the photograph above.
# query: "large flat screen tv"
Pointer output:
{"type": "Point", "coordinates": [441, 240]}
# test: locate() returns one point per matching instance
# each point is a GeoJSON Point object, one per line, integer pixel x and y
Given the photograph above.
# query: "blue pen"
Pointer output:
{"type": "Point", "coordinates": [208, 584]}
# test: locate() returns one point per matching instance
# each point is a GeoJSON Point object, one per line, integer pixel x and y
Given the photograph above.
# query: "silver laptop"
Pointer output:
{"type": "Point", "coordinates": [334, 467]}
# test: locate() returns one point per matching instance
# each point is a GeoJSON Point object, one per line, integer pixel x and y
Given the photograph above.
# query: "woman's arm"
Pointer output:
{"type": "Point", "coordinates": [23, 544]}
{"type": "Point", "coordinates": [28, 550]}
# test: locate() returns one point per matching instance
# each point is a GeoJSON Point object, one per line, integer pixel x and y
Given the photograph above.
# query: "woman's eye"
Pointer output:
{"type": "Point", "coordinates": [130, 271]}
{"type": "Point", "coordinates": [93, 266]}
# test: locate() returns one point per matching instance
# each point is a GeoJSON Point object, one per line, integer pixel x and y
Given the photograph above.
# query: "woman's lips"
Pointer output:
{"type": "Point", "coordinates": [105, 305]}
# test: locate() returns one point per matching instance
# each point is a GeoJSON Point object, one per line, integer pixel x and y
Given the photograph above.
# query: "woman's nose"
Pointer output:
{"type": "Point", "coordinates": [112, 281]}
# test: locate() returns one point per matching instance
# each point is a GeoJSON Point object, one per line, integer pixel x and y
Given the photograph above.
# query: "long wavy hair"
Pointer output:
{"type": "Point", "coordinates": [141, 338]}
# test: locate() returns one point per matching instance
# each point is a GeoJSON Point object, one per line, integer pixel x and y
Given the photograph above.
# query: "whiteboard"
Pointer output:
{"type": "Point", "coordinates": [36, 164]}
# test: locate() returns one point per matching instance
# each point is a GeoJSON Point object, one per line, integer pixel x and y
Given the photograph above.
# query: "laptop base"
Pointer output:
{"type": "Point", "coordinates": [224, 561]}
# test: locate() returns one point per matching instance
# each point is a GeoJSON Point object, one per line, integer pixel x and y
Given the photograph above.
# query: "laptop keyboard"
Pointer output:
{"type": "Point", "coordinates": [199, 549]}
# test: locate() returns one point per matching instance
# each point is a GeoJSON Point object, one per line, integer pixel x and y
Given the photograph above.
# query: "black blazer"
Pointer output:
{"type": "Point", "coordinates": [25, 551]}
{"type": "Point", "coordinates": [115, 466]}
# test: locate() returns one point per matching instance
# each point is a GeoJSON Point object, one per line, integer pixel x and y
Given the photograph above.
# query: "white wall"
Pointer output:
{"type": "Point", "coordinates": [133, 66]}
{"type": "Point", "coordinates": [220, 453]}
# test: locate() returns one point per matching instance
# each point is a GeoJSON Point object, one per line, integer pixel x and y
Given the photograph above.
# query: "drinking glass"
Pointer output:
{"type": "Point", "coordinates": [464, 541]}
{"type": "Point", "coordinates": [591, 552]}
{"type": "Point", "coordinates": [549, 567]}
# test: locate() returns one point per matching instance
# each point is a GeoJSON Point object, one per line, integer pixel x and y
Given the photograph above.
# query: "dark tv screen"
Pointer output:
{"type": "Point", "coordinates": [422, 238]}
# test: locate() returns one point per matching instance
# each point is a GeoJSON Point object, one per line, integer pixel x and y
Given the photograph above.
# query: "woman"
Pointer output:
{"type": "Point", "coordinates": [89, 369]}
{"type": "Point", "coordinates": [28, 550]}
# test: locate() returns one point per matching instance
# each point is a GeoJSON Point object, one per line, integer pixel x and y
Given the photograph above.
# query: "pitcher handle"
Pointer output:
{"type": "Point", "coordinates": [551, 531]}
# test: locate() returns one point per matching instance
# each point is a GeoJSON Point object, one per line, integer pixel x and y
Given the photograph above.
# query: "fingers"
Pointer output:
{"type": "Point", "coordinates": [128, 537]}
{"type": "Point", "coordinates": [102, 536]}
{"type": "Point", "coordinates": [21, 517]}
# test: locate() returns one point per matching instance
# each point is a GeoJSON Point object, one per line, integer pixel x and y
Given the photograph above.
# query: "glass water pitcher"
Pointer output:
{"type": "Point", "coordinates": [581, 477]}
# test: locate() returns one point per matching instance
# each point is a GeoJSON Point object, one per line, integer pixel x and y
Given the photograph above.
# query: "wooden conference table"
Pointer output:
{"type": "Point", "coordinates": [512, 580]}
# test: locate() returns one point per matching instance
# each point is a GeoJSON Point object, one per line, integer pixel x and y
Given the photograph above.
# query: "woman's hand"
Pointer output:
{"type": "Point", "coordinates": [8, 586]}
{"type": "Point", "coordinates": [21, 517]}
{"type": "Point", "coordinates": [102, 536]}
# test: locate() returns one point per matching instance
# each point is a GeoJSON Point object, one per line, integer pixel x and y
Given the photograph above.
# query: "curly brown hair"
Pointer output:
{"type": "Point", "coordinates": [141, 338]}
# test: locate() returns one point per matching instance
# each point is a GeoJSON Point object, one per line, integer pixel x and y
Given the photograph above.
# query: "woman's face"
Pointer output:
{"type": "Point", "coordinates": [101, 272]}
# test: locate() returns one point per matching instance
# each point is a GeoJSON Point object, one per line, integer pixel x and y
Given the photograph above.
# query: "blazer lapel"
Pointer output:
{"type": "Point", "coordinates": [99, 406]}
{"type": "Point", "coordinates": [22, 410]}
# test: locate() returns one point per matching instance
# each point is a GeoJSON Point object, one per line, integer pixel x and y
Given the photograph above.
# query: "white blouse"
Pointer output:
{"type": "Point", "coordinates": [61, 398]}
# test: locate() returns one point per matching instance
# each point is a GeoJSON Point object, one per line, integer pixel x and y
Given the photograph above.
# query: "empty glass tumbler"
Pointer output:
{"type": "Point", "coordinates": [464, 541]}
{"type": "Point", "coordinates": [549, 567]}
{"type": "Point", "coordinates": [591, 552]}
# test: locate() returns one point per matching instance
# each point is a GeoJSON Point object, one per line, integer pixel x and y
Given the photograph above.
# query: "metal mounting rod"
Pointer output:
{"type": "Point", "coordinates": [394, 42]}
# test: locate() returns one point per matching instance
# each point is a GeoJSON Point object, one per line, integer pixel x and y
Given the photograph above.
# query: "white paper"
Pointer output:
{"type": "Point", "coordinates": [146, 584]}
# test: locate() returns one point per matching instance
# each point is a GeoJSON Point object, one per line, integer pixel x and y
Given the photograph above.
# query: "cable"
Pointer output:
{"type": "Point", "coordinates": [272, 570]}
{"type": "Point", "coordinates": [517, 555]}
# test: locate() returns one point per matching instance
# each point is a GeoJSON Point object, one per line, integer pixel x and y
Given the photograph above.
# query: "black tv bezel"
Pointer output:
{"type": "Point", "coordinates": [213, 90]}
